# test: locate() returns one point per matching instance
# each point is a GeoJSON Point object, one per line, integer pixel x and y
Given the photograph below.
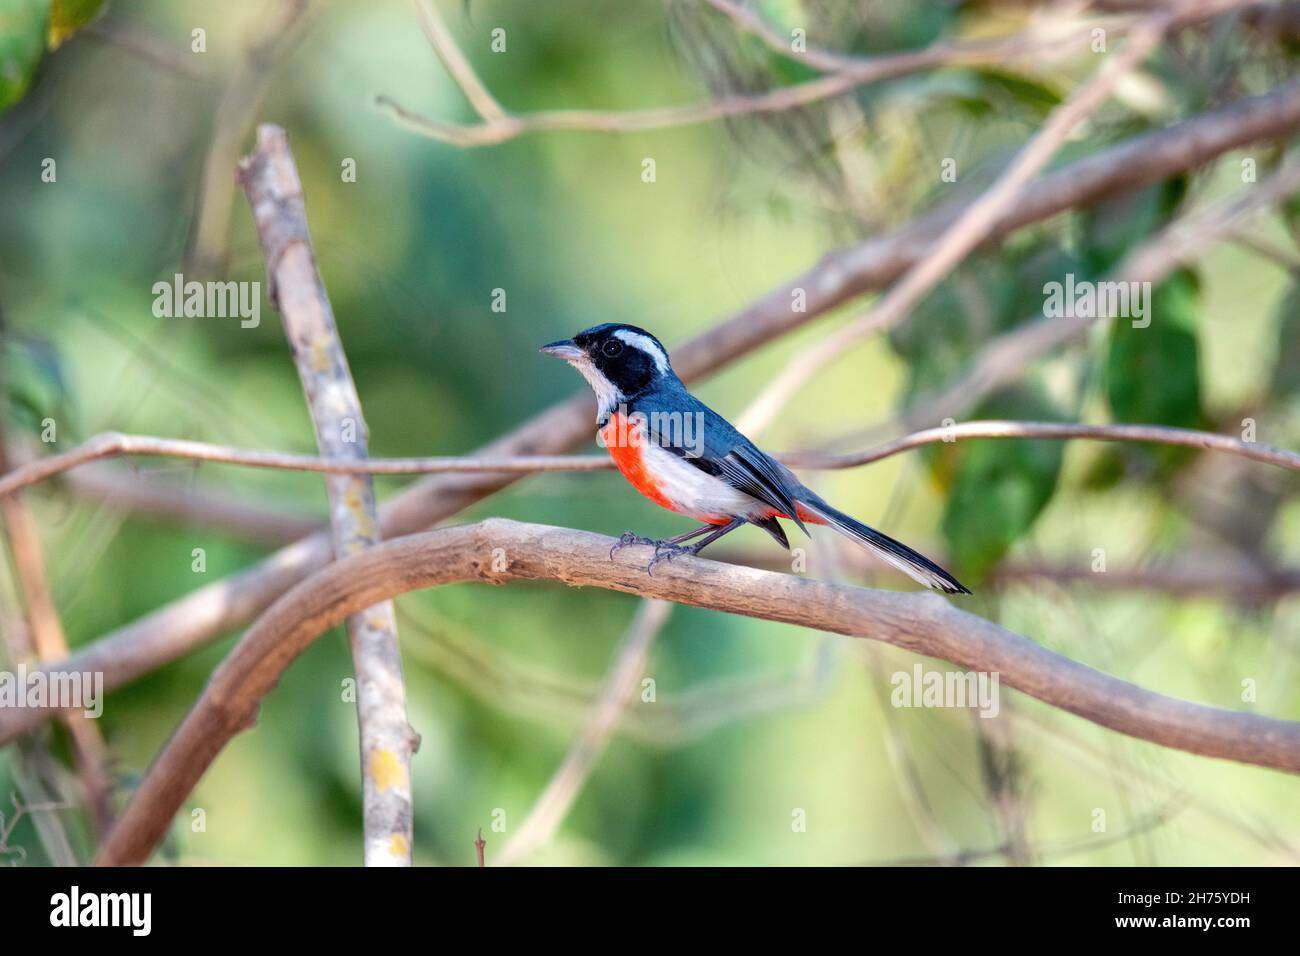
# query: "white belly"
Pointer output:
{"type": "Point", "coordinates": [694, 492]}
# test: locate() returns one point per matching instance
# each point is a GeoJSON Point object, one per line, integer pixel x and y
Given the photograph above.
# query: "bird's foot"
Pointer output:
{"type": "Point", "coordinates": [628, 538]}
{"type": "Point", "coordinates": [665, 551]}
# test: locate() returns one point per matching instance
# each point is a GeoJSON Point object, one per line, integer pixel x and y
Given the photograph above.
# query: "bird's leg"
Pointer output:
{"type": "Point", "coordinates": [670, 549]}
{"type": "Point", "coordinates": [631, 537]}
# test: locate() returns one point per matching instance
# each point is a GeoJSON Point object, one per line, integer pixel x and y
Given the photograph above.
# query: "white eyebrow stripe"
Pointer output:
{"type": "Point", "coordinates": [647, 345]}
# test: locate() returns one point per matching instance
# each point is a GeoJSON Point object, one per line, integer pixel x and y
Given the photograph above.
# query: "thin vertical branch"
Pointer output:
{"type": "Point", "coordinates": [270, 179]}
{"type": "Point", "coordinates": [51, 645]}
{"type": "Point", "coordinates": [444, 45]}
{"type": "Point", "coordinates": [553, 805]}
{"type": "Point", "coordinates": [46, 639]}
{"type": "Point", "coordinates": [205, 250]}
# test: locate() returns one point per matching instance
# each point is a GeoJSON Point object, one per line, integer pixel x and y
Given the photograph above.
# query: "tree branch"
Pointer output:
{"type": "Point", "coordinates": [113, 444]}
{"type": "Point", "coordinates": [499, 126]}
{"type": "Point", "coordinates": [589, 743]}
{"type": "Point", "coordinates": [116, 445]}
{"type": "Point", "coordinates": [752, 22]}
{"type": "Point", "coordinates": [276, 36]}
{"type": "Point", "coordinates": [270, 522]}
{"type": "Point", "coordinates": [1154, 434]}
{"type": "Point", "coordinates": [973, 227]}
{"type": "Point", "coordinates": [1003, 359]}
{"type": "Point", "coordinates": [497, 551]}
{"type": "Point", "coordinates": [270, 178]}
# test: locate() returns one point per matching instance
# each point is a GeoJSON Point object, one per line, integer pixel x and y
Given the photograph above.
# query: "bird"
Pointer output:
{"type": "Point", "coordinates": [683, 455]}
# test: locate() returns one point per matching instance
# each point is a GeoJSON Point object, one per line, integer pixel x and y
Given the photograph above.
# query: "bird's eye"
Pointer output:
{"type": "Point", "coordinates": [612, 347]}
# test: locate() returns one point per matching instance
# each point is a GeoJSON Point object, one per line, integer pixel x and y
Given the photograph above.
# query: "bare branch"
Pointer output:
{"type": "Point", "coordinates": [277, 35]}
{"type": "Point", "coordinates": [121, 660]}
{"type": "Point", "coordinates": [752, 22]}
{"type": "Point", "coordinates": [563, 788]}
{"type": "Point", "coordinates": [270, 178]}
{"type": "Point", "coordinates": [145, 45]}
{"type": "Point", "coordinates": [112, 444]}
{"type": "Point", "coordinates": [1239, 580]}
{"type": "Point", "coordinates": [457, 65]}
{"type": "Point", "coordinates": [1003, 359]}
{"type": "Point", "coordinates": [51, 646]}
{"type": "Point", "coordinates": [500, 126]}
{"type": "Point", "coordinates": [922, 623]}
{"type": "Point", "coordinates": [1286, 259]}
{"type": "Point", "coordinates": [849, 74]}
{"type": "Point", "coordinates": [272, 522]}
{"type": "Point", "coordinates": [967, 233]}
{"type": "Point", "coordinates": [47, 637]}
{"type": "Point", "coordinates": [116, 444]}
{"type": "Point", "coordinates": [1154, 434]}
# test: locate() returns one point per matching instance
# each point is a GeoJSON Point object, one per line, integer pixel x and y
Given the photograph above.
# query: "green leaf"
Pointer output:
{"type": "Point", "coordinates": [1286, 373]}
{"type": "Point", "coordinates": [1000, 486]}
{"type": "Point", "coordinates": [1153, 373]}
{"type": "Point", "coordinates": [981, 299]}
{"type": "Point", "coordinates": [36, 385]}
{"type": "Point", "coordinates": [1001, 84]}
{"type": "Point", "coordinates": [1113, 227]}
{"type": "Point", "coordinates": [69, 16]}
{"type": "Point", "coordinates": [1290, 210]}
{"type": "Point", "coordinates": [22, 44]}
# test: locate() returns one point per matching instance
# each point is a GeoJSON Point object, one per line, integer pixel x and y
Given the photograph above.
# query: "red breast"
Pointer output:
{"type": "Point", "coordinates": [626, 442]}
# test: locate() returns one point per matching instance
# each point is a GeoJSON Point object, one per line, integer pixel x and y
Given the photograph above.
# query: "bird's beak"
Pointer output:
{"type": "Point", "coordinates": [564, 349]}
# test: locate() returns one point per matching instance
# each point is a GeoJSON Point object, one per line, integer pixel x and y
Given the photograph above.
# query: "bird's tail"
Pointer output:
{"type": "Point", "coordinates": [912, 563]}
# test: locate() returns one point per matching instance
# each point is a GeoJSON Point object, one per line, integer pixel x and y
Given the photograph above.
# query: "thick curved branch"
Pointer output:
{"type": "Point", "coordinates": [497, 551]}
{"type": "Point", "coordinates": [189, 622]}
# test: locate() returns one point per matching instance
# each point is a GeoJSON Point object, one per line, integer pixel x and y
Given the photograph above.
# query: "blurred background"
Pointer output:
{"type": "Point", "coordinates": [752, 724]}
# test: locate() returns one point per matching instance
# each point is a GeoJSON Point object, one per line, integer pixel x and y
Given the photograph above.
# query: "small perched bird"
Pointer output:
{"type": "Point", "coordinates": [682, 455]}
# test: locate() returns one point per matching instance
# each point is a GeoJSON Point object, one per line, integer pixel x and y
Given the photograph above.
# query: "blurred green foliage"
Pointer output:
{"type": "Point", "coordinates": [752, 721]}
{"type": "Point", "coordinates": [22, 41]}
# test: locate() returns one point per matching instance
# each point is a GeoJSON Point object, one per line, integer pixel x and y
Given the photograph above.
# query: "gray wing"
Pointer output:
{"type": "Point", "coordinates": [747, 468]}
{"type": "Point", "coordinates": [725, 453]}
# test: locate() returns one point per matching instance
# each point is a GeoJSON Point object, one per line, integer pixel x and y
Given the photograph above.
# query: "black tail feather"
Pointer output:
{"type": "Point", "coordinates": [912, 563]}
{"type": "Point", "coordinates": [773, 527]}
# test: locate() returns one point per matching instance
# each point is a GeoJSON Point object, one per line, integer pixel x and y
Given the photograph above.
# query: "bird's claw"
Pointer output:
{"type": "Point", "coordinates": [629, 538]}
{"type": "Point", "coordinates": [666, 552]}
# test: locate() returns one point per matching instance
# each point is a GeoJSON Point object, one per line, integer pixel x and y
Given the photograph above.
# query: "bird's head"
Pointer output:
{"type": "Point", "coordinates": [619, 361]}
